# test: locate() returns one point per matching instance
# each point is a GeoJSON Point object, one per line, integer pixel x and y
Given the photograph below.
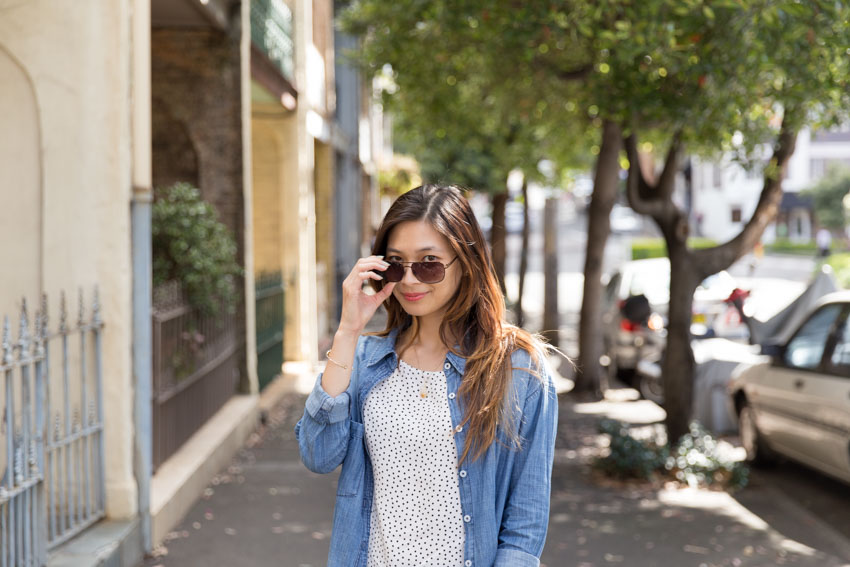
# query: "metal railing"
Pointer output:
{"type": "Point", "coordinates": [270, 320]}
{"type": "Point", "coordinates": [195, 368]}
{"type": "Point", "coordinates": [271, 32]}
{"type": "Point", "coordinates": [53, 483]}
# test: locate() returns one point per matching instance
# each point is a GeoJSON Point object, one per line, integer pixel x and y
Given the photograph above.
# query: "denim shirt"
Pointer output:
{"type": "Point", "coordinates": [504, 494]}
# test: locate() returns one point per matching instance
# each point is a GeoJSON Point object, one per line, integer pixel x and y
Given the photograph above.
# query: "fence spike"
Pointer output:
{"type": "Point", "coordinates": [57, 427]}
{"type": "Point", "coordinates": [23, 334]}
{"type": "Point", "coordinates": [44, 316]}
{"type": "Point", "coordinates": [63, 314]}
{"type": "Point", "coordinates": [39, 333]}
{"type": "Point", "coordinates": [81, 313]}
{"type": "Point", "coordinates": [7, 342]}
{"type": "Point", "coordinates": [96, 307]}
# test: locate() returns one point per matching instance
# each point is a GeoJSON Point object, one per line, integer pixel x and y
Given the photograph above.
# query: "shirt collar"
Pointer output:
{"type": "Point", "coordinates": [382, 347]}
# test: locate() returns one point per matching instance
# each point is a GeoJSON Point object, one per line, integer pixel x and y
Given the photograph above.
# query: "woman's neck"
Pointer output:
{"type": "Point", "coordinates": [428, 336]}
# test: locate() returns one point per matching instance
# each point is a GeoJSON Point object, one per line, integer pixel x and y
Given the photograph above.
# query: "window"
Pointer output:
{"type": "Point", "coordinates": [717, 177]}
{"type": "Point", "coordinates": [806, 348]}
{"type": "Point", "coordinates": [736, 214]}
{"type": "Point", "coordinates": [840, 358]}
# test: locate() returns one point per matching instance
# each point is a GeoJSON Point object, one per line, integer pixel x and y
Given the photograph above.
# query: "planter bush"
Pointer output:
{"type": "Point", "coordinates": [192, 246]}
{"type": "Point", "coordinates": [698, 459]}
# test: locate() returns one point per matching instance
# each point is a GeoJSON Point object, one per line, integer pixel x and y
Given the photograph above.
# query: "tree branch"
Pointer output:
{"type": "Point", "coordinates": [637, 187]}
{"type": "Point", "coordinates": [667, 181]}
{"type": "Point", "coordinates": [577, 74]}
{"type": "Point", "coordinates": [712, 260]}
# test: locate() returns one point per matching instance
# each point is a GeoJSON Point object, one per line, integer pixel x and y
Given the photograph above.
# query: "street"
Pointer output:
{"type": "Point", "coordinates": [267, 509]}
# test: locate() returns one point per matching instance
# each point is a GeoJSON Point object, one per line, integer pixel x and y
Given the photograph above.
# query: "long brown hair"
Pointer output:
{"type": "Point", "coordinates": [475, 316]}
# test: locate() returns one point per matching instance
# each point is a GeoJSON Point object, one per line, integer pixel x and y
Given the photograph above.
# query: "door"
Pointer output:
{"type": "Point", "coordinates": [784, 400]}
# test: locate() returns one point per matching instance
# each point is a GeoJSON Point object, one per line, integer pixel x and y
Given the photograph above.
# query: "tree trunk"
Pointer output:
{"type": "Point", "coordinates": [678, 366]}
{"type": "Point", "coordinates": [589, 372]}
{"type": "Point", "coordinates": [551, 313]}
{"type": "Point", "coordinates": [498, 234]}
{"type": "Point", "coordinates": [523, 255]}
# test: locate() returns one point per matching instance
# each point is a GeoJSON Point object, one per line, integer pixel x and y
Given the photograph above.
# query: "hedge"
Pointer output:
{"type": "Point", "coordinates": [657, 248]}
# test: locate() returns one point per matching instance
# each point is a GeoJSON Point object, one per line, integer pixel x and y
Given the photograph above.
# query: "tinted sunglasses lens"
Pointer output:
{"type": "Point", "coordinates": [395, 273]}
{"type": "Point", "coordinates": [428, 272]}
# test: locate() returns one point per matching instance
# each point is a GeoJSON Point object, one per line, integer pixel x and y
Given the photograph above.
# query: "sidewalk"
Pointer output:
{"type": "Point", "coordinates": [266, 509]}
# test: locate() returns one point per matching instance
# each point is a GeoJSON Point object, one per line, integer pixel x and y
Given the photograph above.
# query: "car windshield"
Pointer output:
{"type": "Point", "coordinates": [806, 348]}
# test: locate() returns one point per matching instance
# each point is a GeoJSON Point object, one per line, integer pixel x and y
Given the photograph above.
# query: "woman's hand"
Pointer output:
{"type": "Point", "coordinates": [358, 307]}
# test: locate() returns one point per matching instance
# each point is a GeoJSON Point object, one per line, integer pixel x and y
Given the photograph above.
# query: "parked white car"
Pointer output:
{"type": "Point", "coordinates": [797, 402]}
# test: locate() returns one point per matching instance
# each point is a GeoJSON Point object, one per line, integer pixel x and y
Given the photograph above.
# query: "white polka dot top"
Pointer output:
{"type": "Point", "coordinates": [417, 519]}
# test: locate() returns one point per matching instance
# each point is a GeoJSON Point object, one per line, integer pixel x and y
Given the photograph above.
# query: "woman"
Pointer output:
{"type": "Point", "coordinates": [444, 422]}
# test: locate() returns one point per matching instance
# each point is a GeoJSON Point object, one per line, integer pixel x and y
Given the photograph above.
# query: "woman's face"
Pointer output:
{"type": "Point", "coordinates": [417, 241]}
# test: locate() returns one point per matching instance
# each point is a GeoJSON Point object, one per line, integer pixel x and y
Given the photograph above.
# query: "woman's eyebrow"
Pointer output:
{"type": "Point", "coordinates": [426, 249]}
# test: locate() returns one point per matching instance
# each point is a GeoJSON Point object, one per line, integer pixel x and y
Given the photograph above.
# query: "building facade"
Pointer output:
{"type": "Point", "coordinates": [724, 195]}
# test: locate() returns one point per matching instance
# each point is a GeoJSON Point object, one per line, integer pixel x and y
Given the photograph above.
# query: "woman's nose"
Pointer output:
{"type": "Point", "coordinates": [409, 278]}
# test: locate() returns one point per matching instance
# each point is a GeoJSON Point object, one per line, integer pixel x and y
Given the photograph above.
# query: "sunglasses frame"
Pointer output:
{"type": "Point", "coordinates": [410, 265]}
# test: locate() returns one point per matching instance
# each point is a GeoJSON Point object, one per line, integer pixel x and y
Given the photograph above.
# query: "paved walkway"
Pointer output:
{"type": "Point", "coordinates": [266, 509]}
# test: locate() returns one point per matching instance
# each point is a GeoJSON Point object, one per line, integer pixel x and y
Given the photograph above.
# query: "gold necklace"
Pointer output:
{"type": "Point", "coordinates": [423, 388]}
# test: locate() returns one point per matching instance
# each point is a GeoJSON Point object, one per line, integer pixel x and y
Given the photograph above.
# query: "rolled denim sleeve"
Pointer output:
{"type": "Point", "coordinates": [323, 430]}
{"type": "Point", "coordinates": [325, 409]}
{"type": "Point", "coordinates": [525, 519]}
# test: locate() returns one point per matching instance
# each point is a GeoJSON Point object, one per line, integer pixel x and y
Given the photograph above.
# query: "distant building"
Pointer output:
{"type": "Point", "coordinates": [724, 195]}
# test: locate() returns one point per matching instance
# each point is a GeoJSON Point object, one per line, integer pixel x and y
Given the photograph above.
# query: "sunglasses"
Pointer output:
{"type": "Point", "coordinates": [425, 272]}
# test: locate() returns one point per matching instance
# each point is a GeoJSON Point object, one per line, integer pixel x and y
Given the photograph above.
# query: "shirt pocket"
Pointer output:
{"type": "Point", "coordinates": [353, 466]}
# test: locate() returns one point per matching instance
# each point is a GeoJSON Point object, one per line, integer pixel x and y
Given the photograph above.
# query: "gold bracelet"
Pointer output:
{"type": "Point", "coordinates": [328, 356]}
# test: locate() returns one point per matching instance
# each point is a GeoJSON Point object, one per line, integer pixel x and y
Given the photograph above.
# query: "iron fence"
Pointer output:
{"type": "Point", "coordinates": [53, 483]}
{"type": "Point", "coordinates": [195, 368]}
{"type": "Point", "coordinates": [270, 319]}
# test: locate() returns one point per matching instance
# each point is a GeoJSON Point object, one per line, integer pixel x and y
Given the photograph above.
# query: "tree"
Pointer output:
{"type": "Point", "coordinates": [461, 121]}
{"type": "Point", "coordinates": [794, 54]}
{"type": "Point", "coordinates": [661, 73]}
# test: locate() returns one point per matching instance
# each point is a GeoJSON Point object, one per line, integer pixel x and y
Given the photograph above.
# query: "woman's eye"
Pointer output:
{"type": "Point", "coordinates": [392, 259]}
{"type": "Point", "coordinates": [429, 258]}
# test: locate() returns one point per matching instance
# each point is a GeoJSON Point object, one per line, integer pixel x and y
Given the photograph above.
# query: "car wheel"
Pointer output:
{"type": "Point", "coordinates": [757, 450]}
{"type": "Point", "coordinates": [651, 388]}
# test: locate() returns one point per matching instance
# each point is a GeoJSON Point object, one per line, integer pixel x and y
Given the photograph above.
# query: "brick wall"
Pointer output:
{"type": "Point", "coordinates": [196, 94]}
{"type": "Point", "coordinates": [197, 127]}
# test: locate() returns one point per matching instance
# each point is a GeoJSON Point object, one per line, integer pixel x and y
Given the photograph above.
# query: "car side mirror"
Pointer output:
{"type": "Point", "coordinates": [773, 351]}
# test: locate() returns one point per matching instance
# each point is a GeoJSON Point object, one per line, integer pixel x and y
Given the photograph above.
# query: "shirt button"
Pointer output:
{"type": "Point", "coordinates": [452, 396]}
{"type": "Point", "coordinates": [459, 428]}
{"type": "Point", "coordinates": [447, 366]}
{"type": "Point", "coordinates": [467, 518]}
{"type": "Point", "coordinates": [462, 474]}
{"type": "Point", "coordinates": [468, 563]}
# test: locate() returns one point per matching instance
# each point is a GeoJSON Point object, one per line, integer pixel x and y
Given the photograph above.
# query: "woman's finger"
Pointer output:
{"type": "Point", "coordinates": [385, 293]}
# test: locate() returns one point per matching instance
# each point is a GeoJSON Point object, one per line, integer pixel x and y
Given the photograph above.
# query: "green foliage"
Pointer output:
{"type": "Point", "coordinates": [828, 196]}
{"type": "Point", "coordinates": [698, 459]}
{"type": "Point", "coordinates": [840, 264]}
{"type": "Point", "coordinates": [630, 457]}
{"type": "Point", "coordinates": [191, 246]}
{"type": "Point", "coordinates": [786, 246]}
{"type": "Point", "coordinates": [657, 248]}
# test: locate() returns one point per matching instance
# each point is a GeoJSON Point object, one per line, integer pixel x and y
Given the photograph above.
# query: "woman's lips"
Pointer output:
{"type": "Point", "coordinates": [413, 296]}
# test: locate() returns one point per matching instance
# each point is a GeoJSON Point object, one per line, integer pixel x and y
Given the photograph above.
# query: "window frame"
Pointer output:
{"type": "Point", "coordinates": [823, 366]}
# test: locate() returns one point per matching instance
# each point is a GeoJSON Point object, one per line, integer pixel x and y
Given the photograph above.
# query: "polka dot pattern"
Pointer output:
{"type": "Point", "coordinates": [417, 520]}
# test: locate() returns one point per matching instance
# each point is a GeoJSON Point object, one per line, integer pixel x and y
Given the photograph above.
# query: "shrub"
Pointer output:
{"type": "Point", "coordinates": [840, 264]}
{"type": "Point", "coordinates": [786, 246]}
{"type": "Point", "coordinates": [192, 246]}
{"type": "Point", "coordinates": [698, 459]}
{"type": "Point", "coordinates": [657, 248]}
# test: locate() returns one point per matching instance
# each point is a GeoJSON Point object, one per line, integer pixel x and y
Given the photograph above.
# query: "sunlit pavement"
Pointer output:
{"type": "Point", "coordinates": [267, 509]}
